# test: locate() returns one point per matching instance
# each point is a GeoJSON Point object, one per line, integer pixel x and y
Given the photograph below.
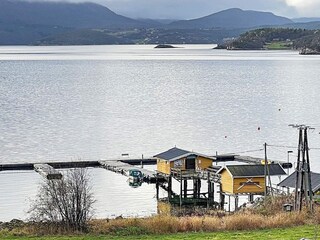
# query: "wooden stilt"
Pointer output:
{"type": "Point", "coordinates": [185, 188]}
{"type": "Point", "coordinates": [236, 202]}
{"type": "Point", "coordinates": [169, 186]}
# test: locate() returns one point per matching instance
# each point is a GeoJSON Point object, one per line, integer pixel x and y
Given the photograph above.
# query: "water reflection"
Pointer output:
{"type": "Point", "coordinates": [100, 101]}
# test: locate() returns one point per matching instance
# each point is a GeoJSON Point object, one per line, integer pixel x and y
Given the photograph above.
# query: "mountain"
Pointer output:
{"type": "Point", "coordinates": [231, 19]}
{"type": "Point", "coordinates": [303, 25]}
{"type": "Point", "coordinates": [63, 14]}
{"type": "Point", "coordinates": [306, 20]}
{"type": "Point", "coordinates": [65, 23]}
{"type": "Point", "coordinates": [158, 21]}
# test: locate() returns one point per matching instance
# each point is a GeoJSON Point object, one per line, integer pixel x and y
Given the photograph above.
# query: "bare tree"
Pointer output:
{"type": "Point", "coordinates": [68, 201]}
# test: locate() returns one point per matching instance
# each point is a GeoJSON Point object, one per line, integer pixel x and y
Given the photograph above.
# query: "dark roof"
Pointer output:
{"type": "Point", "coordinates": [291, 181]}
{"type": "Point", "coordinates": [254, 170]}
{"type": "Point", "coordinates": [172, 153]}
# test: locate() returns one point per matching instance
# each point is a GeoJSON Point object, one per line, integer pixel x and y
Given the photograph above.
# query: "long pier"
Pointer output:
{"type": "Point", "coordinates": [48, 169]}
{"type": "Point", "coordinates": [120, 165]}
{"type": "Point", "coordinates": [131, 161]}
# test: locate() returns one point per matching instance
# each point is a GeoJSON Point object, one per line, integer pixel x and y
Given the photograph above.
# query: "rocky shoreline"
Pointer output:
{"type": "Point", "coordinates": [14, 223]}
{"type": "Point", "coordinates": [308, 51]}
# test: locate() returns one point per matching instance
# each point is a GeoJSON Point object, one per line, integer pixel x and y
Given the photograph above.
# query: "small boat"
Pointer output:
{"type": "Point", "coordinates": [135, 175]}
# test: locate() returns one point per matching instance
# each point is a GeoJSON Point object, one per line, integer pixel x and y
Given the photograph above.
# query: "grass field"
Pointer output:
{"type": "Point", "coordinates": [279, 46]}
{"type": "Point", "coordinates": [308, 231]}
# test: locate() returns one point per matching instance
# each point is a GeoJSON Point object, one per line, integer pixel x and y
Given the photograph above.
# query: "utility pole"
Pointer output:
{"type": "Point", "coordinates": [303, 187]}
{"type": "Point", "coordinates": [267, 177]}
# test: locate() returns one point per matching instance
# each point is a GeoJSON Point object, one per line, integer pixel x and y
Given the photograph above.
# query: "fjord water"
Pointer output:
{"type": "Point", "coordinates": [97, 102]}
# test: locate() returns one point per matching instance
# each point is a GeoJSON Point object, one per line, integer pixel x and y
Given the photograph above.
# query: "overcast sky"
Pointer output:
{"type": "Point", "coordinates": [188, 9]}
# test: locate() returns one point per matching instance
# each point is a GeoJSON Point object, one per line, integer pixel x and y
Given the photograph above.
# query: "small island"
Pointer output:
{"type": "Point", "coordinates": [164, 46]}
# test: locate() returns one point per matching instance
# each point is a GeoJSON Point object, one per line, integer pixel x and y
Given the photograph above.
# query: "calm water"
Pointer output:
{"type": "Point", "coordinates": [93, 102]}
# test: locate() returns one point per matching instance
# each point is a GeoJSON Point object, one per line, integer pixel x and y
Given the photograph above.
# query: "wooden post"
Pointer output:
{"type": "Point", "coordinates": [236, 202]}
{"type": "Point", "coordinates": [265, 170]}
{"type": "Point", "coordinates": [194, 188]}
{"type": "Point", "coordinates": [185, 188]}
{"type": "Point", "coordinates": [181, 188]}
{"type": "Point", "coordinates": [157, 185]}
{"type": "Point", "coordinates": [308, 170]}
{"type": "Point", "coordinates": [298, 169]}
{"type": "Point", "coordinates": [250, 198]}
{"type": "Point", "coordinates": [221, 199]}
{"type": "Point", "coordinates": [198, 187]}
{"type": "Point", "coordinates": [142, 161]}
{"type": "Point", "coordinates": [169, 186]}
{"type": "Point", "coordinates": [209, 189]}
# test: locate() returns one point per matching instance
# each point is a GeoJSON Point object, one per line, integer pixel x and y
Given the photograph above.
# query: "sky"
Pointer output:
{"type": "Point", "coordinates": [188, 9]}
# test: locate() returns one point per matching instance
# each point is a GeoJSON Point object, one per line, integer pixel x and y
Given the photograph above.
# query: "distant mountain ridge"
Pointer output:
{"type": "Point", "coordinates": [49, 23]}
{"type": "Point", "coordinates": [306, 19]}
{"type": "Point", "coordinates": [233, 18]}
{"type": "Point", "coordinates": [63, 14]}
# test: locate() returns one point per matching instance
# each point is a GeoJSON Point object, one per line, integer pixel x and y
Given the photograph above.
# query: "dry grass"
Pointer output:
{"type": "Point", "coordinates": [246, 220]}
{"type": "Point", "coordinates": [266, 217]}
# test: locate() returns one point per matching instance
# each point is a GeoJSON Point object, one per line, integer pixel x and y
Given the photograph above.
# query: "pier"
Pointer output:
{"type": "Point", "coordinates": [123, 168]}
{"type": "Point", "coordinates": [118, 165]}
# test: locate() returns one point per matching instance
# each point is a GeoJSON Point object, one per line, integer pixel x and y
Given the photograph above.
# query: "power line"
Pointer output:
{"type": "Point", "coordinates": [281, 146]}
{"type": "Point", "coordinates": [284, 146]}
{"type": "Point", "coordinates": [248, 151]}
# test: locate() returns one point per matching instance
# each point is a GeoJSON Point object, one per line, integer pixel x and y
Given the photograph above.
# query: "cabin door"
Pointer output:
{"type": "Point", "coordinates": [191, 162]}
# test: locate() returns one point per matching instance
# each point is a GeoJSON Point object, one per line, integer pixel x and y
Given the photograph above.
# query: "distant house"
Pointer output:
{"type": "Point", "coordinates": [246, 179]}
{"type": "Point", "coordinates": [181, 159]}
{"type": "Point", "coordinates": [290, 181]}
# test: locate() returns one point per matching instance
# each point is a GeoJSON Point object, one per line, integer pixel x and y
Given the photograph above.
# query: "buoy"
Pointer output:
{"type": "Point", "coordinates": [258, 128]}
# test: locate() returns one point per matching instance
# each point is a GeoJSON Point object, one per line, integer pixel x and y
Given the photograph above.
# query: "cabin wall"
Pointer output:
{"type": "Point", "coordinates": [250, 185]}
{"type": "Point", "coordinates": [226, 182]}
{"type": "Point", "coordinates": [203, 163]}
{"type": "Point", "coordinates": [163, 166]}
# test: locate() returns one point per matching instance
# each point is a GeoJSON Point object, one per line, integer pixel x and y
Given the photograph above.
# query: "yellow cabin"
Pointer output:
{"type": "Point", "coordinates": [246, 179]}
{"type": "Point", "coordinates": [181, 159]}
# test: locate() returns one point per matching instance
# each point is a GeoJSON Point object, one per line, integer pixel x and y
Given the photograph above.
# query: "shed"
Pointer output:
{"type": "Point", "coordinates": [246, 179]}
{"type": "Point", "coordinates": [290, 181]}
{"type": "Point", "coordinates": [182, 159]}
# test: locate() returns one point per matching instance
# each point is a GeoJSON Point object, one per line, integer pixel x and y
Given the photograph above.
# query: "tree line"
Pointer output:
{"type": "Point", "coordinates": [259, 38]}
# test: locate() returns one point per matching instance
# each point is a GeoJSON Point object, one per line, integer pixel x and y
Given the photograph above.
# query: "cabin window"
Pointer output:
{"type": "Point", "coordinates": [191, 162]}
{"type": "Point", "coordinates": [178, 163]}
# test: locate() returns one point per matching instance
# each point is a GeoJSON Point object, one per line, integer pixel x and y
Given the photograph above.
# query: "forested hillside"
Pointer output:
{"type": "Point", "coordinates": [285, 37]}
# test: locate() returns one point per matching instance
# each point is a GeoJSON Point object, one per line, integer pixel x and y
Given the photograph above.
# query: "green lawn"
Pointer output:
{"type": "Point", "coordinates": [278, 46]}
{"type": "Point", "coordinates": [309, 232]}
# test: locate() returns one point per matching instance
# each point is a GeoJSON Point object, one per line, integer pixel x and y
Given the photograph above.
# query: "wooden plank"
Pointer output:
{"type": "Point", "coordinates": [47, 171]}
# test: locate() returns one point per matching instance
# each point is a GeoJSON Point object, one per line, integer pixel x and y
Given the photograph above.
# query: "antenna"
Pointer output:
{"type": "Point", "coordinates": [303, 187]}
